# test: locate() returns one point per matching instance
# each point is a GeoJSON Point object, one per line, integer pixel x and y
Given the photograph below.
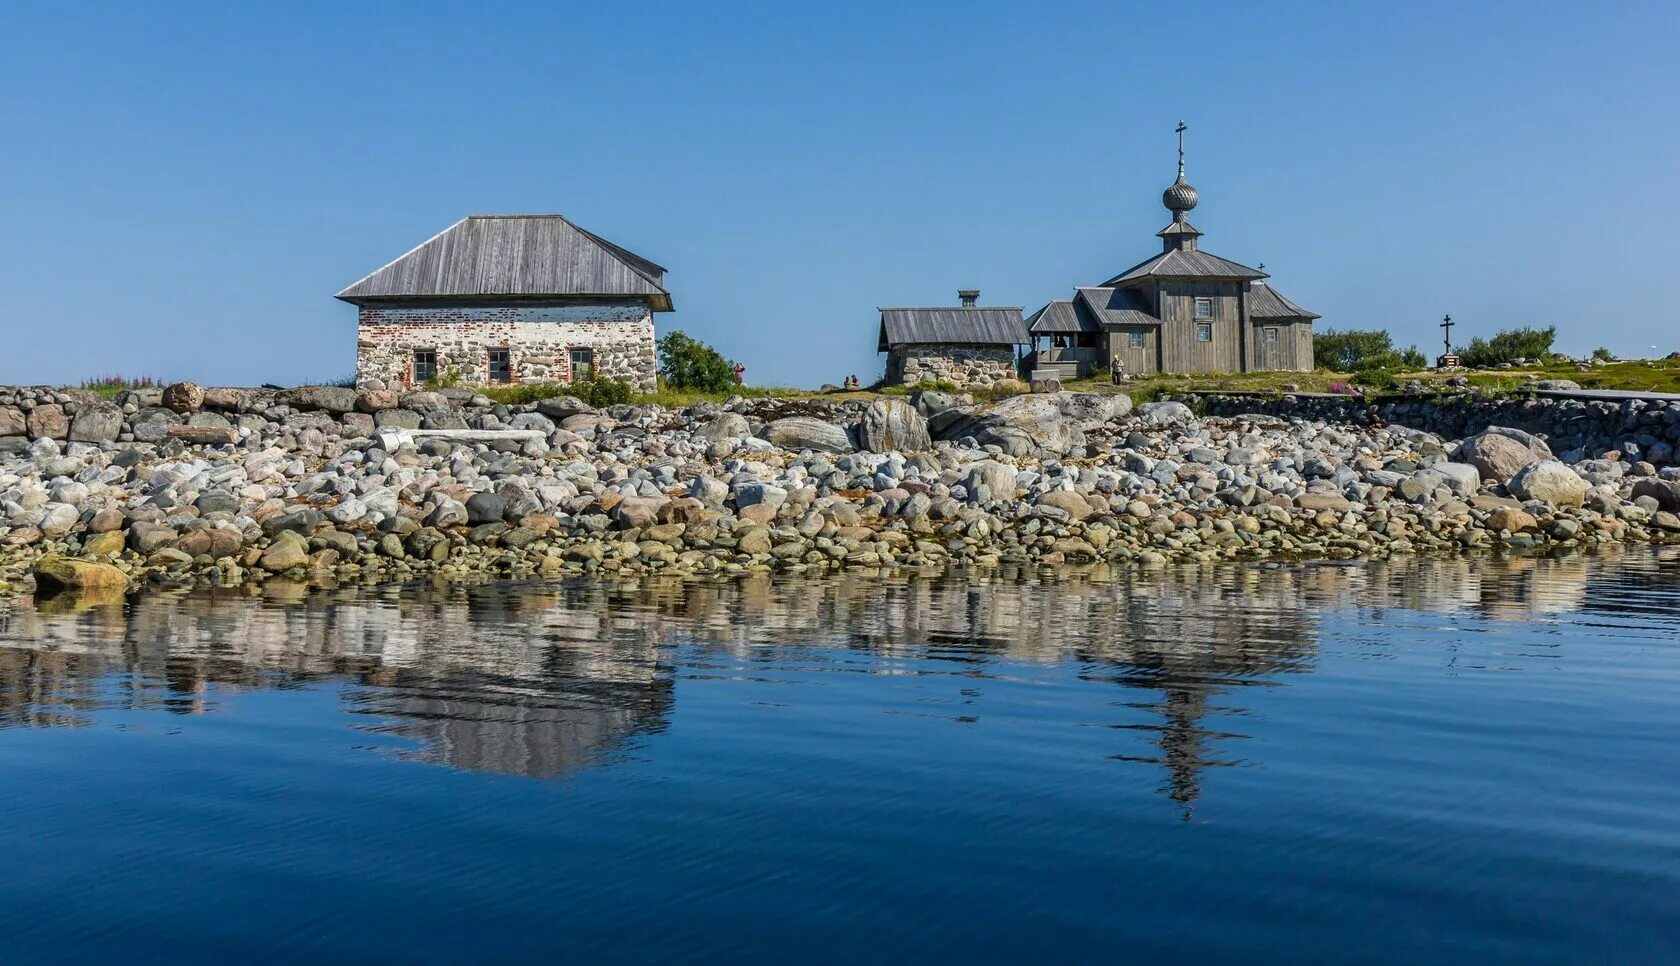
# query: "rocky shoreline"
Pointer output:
{"type": "Point", "coordinates": [187, 485]}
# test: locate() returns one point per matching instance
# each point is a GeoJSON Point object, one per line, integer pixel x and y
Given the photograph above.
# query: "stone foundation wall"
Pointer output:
{"type": "Point", "coordinates": [1639, 429]}
{"type": "Point", "coordinates": [964, 365]}
{"type": "Point", "coordinates": [539, 340]}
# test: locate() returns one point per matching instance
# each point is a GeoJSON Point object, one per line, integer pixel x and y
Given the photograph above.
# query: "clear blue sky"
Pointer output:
{"type": "Point", "coordinates": [184, 186]}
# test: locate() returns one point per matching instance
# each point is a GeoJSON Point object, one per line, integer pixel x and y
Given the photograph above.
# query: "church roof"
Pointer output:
{"type": "Point", "coordinates": [960, 325]}
{"type": "Point", "coordinates": [517, 257]}
{"type": "Point", "coordinates": [1265, 302]}
{"type": "Point", "coordinates": [1185, 264]}
{"type": "Point", "coordinates": [1118, 306]}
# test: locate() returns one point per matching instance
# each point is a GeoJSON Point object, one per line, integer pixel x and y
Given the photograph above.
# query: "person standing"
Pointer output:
{"type": "Point", "coordinates": [740, 374]}
{"type": "Point", "coordinates": [1117, 370]}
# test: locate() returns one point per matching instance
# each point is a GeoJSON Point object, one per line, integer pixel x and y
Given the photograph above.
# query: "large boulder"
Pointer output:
{"type": "Point", "coordinates": [225, 398]}
{"type": "Point", "coordinates": [893, 424]}
{"type": "Point", "coordinates": [1165, 413]}
{"type": "Point", "coordinates": [1040, 423]}
{"type": "Point", "coordinates": [724, 426]}
{"type": "Point", "coordinates": [807, 432]}
{"type": "Point", "coordinates": [48, 422]}
{"type": "Point", "coordinates": [1548, 481]}
{"type": "Point", "coordinates": [337, 400]}
{"type": "Point", "coordinates": [12, 422]}
{"type": "Point", "coordinates": [558, 408]}
{"type": "Point", "coordinates": [183, 397]}
{"type": "Point", "coordinates": [152, 425]}
{"type": "Point", "coordinates": [1499, 453]}
{"type": "Point", "coordinates": [96, 423]}
{"type": "Point", "coordinates": [55, 574]}
{"type": "Point", "coordinates": [998, 479]}
{"type": "Point", "coordinates": [372, 401]}
{"type": "Point", "coordinates": [1665, 492]}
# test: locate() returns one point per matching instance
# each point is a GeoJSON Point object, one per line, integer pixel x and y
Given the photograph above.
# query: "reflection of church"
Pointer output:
{"type": "Point", "coordinates": [540, 680]}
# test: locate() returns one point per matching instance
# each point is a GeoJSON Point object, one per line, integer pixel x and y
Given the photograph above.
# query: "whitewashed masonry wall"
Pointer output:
{"type": "Point", "coordinates": [539, 340]}
{"type": "Point", "coordinates": [963, 365]}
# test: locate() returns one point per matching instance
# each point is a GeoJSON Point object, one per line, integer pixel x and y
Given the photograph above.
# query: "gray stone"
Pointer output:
{"type": "Point", "coordinates": [96, 423]}
{"type": "Point", "coordinates": [808, 433]}
{"type": "Point", "coordinates": [1549, 481]}
{"type": "Point", "coordinates": [893, 425]}
{"type": "Point", "coordinates": [1499, 453]}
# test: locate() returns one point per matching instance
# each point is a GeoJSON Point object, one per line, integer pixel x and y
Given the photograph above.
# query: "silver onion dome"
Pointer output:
{"type": "Point", "coordinates": [1180, 196]}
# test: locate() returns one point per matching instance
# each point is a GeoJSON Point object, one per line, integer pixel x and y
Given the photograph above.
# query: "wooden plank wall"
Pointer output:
{"type": "Point", "coordinates": [1138, 361]}
{"type": "Point", "coordinates": [1180, 352]}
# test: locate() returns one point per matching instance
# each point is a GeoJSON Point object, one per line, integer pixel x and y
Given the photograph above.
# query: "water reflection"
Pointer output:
{"type": "Point", "coordinates": [541, 679]}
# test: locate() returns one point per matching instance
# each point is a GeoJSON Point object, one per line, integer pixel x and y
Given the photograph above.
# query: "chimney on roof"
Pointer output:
{"type": "Point", "coordinates": [969, 296]}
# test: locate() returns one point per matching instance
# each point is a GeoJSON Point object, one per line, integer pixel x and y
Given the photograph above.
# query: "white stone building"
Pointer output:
{"type": "Point", "coordinates": [509, 299]}
{"type": "Point", "coordinates": [969, 345]}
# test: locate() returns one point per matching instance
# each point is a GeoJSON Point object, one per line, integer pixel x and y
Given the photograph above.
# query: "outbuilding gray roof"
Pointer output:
{"type": "Point", "coordinates": [1183, 264]}
{"type": "Point", "coordinates": [1265, 302]}
{"type": "Point", "coordinates": [977, 325]}
{"type": "Point", "coordinates": [515, 257]}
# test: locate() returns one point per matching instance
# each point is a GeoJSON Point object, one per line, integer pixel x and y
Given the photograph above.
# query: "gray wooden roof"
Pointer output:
{"type": "Point", "coordinates": [979, 325]}
{"type": "Point", "coordinates": [1059, 317]}
{"type": "Point", "coordinates": [1183, 264]}
{"type": "Point", "coordinates": [1118, 306]}
{"type": "Point", "coordinates": [517, 257]}
{"type": "Point", "coordinates": [1265, 302]}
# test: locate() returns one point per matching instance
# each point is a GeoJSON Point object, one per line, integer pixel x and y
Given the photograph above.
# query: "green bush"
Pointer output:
{"type": "Point", "coordinates": [690, 365]}
{"type": "Point", "coordinates": [1509, 346]}
{"type": "Point", "coordinates": [1414, 359]}
{"type": "Point", "coordinates": [1356, 350]}
{"type": "Point", "coordinates": [595, 392]}
{"type": "Point", "coordinates": [1604, 355]}
{"type": "Point", "coordinates": [602, 392]}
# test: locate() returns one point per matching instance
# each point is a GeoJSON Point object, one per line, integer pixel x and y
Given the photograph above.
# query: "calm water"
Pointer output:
{"type": "Point", "coordinates": [1408, 762]}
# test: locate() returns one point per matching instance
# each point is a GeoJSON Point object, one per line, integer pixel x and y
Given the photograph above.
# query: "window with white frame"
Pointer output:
{"type": "Point", "coordinates": [1271, 333]}
{"type": "Point", "coordinates": [1204, 332]}
{"type": "Point", "coordinates": [1134, 340]}
{"type": "Point", "coordinates": [1204, 308]}
{"type": "Point", "coordinates": [425, 365]}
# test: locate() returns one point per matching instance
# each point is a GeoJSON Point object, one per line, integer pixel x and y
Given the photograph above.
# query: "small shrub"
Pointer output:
{"type": "Point", "coordinates": [602, 392]}
{"type": "Point", "coordinates": [689, 364]}
{"type": "Point", "coordinates": [1413, 358]}
{"type": "Point", "coordinates": [1509, 346]}
{"type": "Point", "coordinates": [1603, 355]}
{"type": "Point", "coordinates": [448, 379]}
{"type": "Point", "coordinates": [1373, 379]}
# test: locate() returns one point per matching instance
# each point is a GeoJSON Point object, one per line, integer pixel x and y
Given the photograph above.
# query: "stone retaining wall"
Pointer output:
{"type": "Point", "coordinates": [1639, 429]}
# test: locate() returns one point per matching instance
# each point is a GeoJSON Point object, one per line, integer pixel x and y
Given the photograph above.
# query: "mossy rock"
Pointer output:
{"type": "Point", "coordinates": [57, 574]}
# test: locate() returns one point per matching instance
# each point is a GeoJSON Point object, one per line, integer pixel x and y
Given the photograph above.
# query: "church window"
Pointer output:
{"type": "Point", "coordinates": [501, 368]}
{"type": "Point", "coordinates": [1134, 340]}
{"type": "Point", "coordinates": [1204, 332]}
{"type": "Point", "coordinates": [1204, 308]}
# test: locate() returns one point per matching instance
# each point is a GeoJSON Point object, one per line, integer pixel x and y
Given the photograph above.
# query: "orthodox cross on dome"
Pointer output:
{"type": "Point", "coordinates": [1181, 129]}
{"type": "Point", "coordinates": [1446, 331]}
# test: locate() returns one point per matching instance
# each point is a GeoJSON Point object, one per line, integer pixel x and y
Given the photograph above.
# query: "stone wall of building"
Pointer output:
{"type": "Point", "coordinates": [539, 340]}
{"type": "Point", "coordinates": [964, 365]}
